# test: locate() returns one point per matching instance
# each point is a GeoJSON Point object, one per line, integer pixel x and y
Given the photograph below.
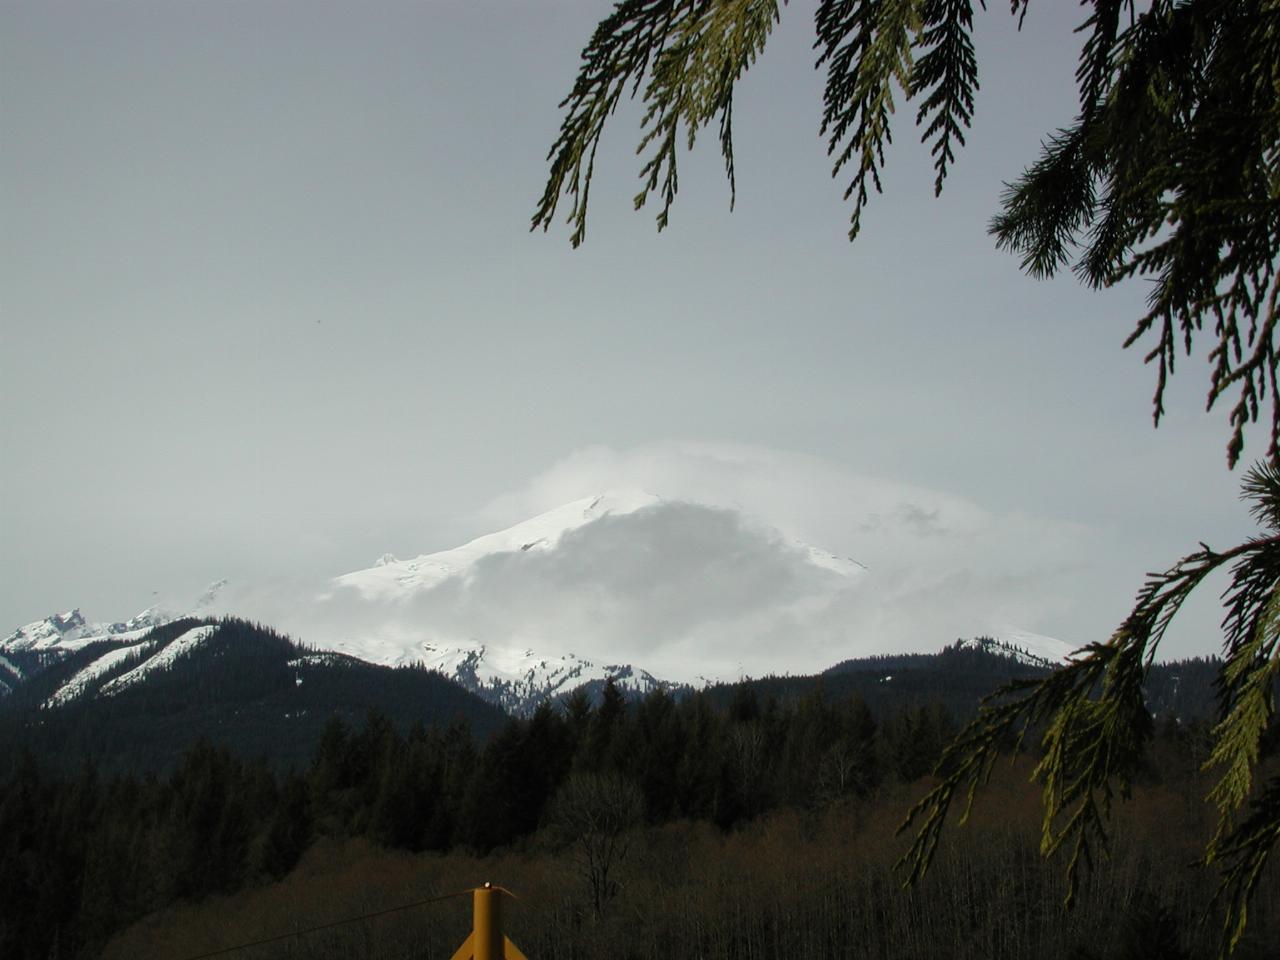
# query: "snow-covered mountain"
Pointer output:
{"type": "Point", "coordinates": [390, 578]}
{"type": "Point", "coordinates": [517, 682]}
{"type": "Point", "coordinates": [147, 657]}
{"type": "Point", "coordinates": [619, 580]}
{"type": "Point", "coordinates": [70, 631]}
{"type": "Point", "coordinates": [62, 632]}
{"type": "Point", "coordinates": [557, 601]}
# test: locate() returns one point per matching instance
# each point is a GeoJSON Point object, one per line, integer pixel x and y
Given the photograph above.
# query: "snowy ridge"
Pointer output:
{"type": "Point", "coordinates": [82, 681]}
{"type": "Point", "coordinates": [65, 632]}
{"type": "Point", "coordinates": [1033, 649]}
{"type": "Point", "coordinates": [70, 631]}
{"type": "Point", "coordinates": [516, 679]}
{"type": "Point", "coordinates": [1037, 644]}
{"type": "Point", "coordinates": [10, 676]}
{"type": "Point", "coordinates": [7, 666]}
{"type": "Point", "coordinates": [155, 658]}
{"type": "Point", "coordinates": [390, 578]}
{"type": "Point", "coordinates": [60, 629]}
{"type": "Point", "coordinates": [172, 651]}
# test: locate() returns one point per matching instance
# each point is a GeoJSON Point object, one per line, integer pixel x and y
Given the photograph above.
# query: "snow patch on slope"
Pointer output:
{"type": "Point", "coordinates": [517, 679]}
{"type": "Point", "coordinates": [10, 675]}
{"type": "Point", "coordinates": [497, 665]}
{"type": "Point", "coordinates": [175, 649]}
{"type": "Point", "coordinates": [78, 684]}
{"type": "Point", "coordinates": [316, 660]}
{"type": "Point", "coordinates": [1050, 648]}
{"type": "Point", "coordinates": [10, 667]}
{"type": "Point", "coordinates": [1033, 649]}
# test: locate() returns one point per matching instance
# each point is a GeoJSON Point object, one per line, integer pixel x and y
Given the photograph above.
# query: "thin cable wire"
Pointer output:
{"type": "Point", "coordinates": [329, 926]}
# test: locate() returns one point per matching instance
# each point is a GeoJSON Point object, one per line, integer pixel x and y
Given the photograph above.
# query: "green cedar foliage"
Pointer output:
{"type": "Point", "coordinates": [1170, 172]}
{"type": "Point", "coordinates": [1094, 724]}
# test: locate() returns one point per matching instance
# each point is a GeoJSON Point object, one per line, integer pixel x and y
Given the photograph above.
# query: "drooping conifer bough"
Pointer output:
{"type": "Point", "coordinates": [1095, 724]}
{"type": "Point", "coordinates": [1169, 174]}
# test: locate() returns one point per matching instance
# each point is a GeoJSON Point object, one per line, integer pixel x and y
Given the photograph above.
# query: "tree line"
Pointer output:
{"type": "Point", "coordinates": [83, 854]}
{"type": "Point", "coordinates": [816, 879]}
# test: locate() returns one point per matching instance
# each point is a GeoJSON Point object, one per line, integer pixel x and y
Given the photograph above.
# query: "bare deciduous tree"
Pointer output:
{"type": "Point", "coordinates": [595, 813]}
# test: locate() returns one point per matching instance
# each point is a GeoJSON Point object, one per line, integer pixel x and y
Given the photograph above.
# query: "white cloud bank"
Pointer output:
{"type": "Point", "coordinates": [710, 583]}
{"type": "Point", "coordinates": [939, 566]}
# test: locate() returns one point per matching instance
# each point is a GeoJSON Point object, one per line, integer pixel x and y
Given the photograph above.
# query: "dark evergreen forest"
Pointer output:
{"type": "Point", "coordinates": [248, 688]}
{"type": "Point", "coordinates": [94, 837]}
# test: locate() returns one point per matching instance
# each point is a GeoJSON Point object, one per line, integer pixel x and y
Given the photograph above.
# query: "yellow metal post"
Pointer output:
{"type": "Point", "coordinates": [487, 924]}
{"type": "Point", "coordinates": [486, 940]}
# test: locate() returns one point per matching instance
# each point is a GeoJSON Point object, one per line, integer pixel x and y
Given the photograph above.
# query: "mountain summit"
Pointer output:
{"type": "Point", "coordinates": [619, 578]}
{"type": "Point", "coordinates": [390, 578]}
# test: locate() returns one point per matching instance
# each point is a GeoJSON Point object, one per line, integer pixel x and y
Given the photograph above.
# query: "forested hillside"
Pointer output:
{"type": "Point", "coordinates": [960, 675]}
{"type": "Point", "coordinates": [246, 687]}
{"type": "Point", "coordinates": [83, 855]}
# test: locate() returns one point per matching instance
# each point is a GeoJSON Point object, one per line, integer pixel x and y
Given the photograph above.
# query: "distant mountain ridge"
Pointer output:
{"type": "Point", "coordinates": [141, 703]}
{"type": "Point", "coordinates": [385, 609]}
{"type": "Point", "coordinates": [514, 681]}
{"type": "Point", "coordinates": [519, 682]}
{"type": "Point", "coordinates": [70, 631]}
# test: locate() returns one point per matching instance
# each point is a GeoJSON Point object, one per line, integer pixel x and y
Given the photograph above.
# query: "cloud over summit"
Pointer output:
{"type": "Point", "coordinates": [738, 567]}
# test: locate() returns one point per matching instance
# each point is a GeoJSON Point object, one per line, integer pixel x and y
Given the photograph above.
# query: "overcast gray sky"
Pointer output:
{"type": "Point", "coordinates": [270, 307]}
